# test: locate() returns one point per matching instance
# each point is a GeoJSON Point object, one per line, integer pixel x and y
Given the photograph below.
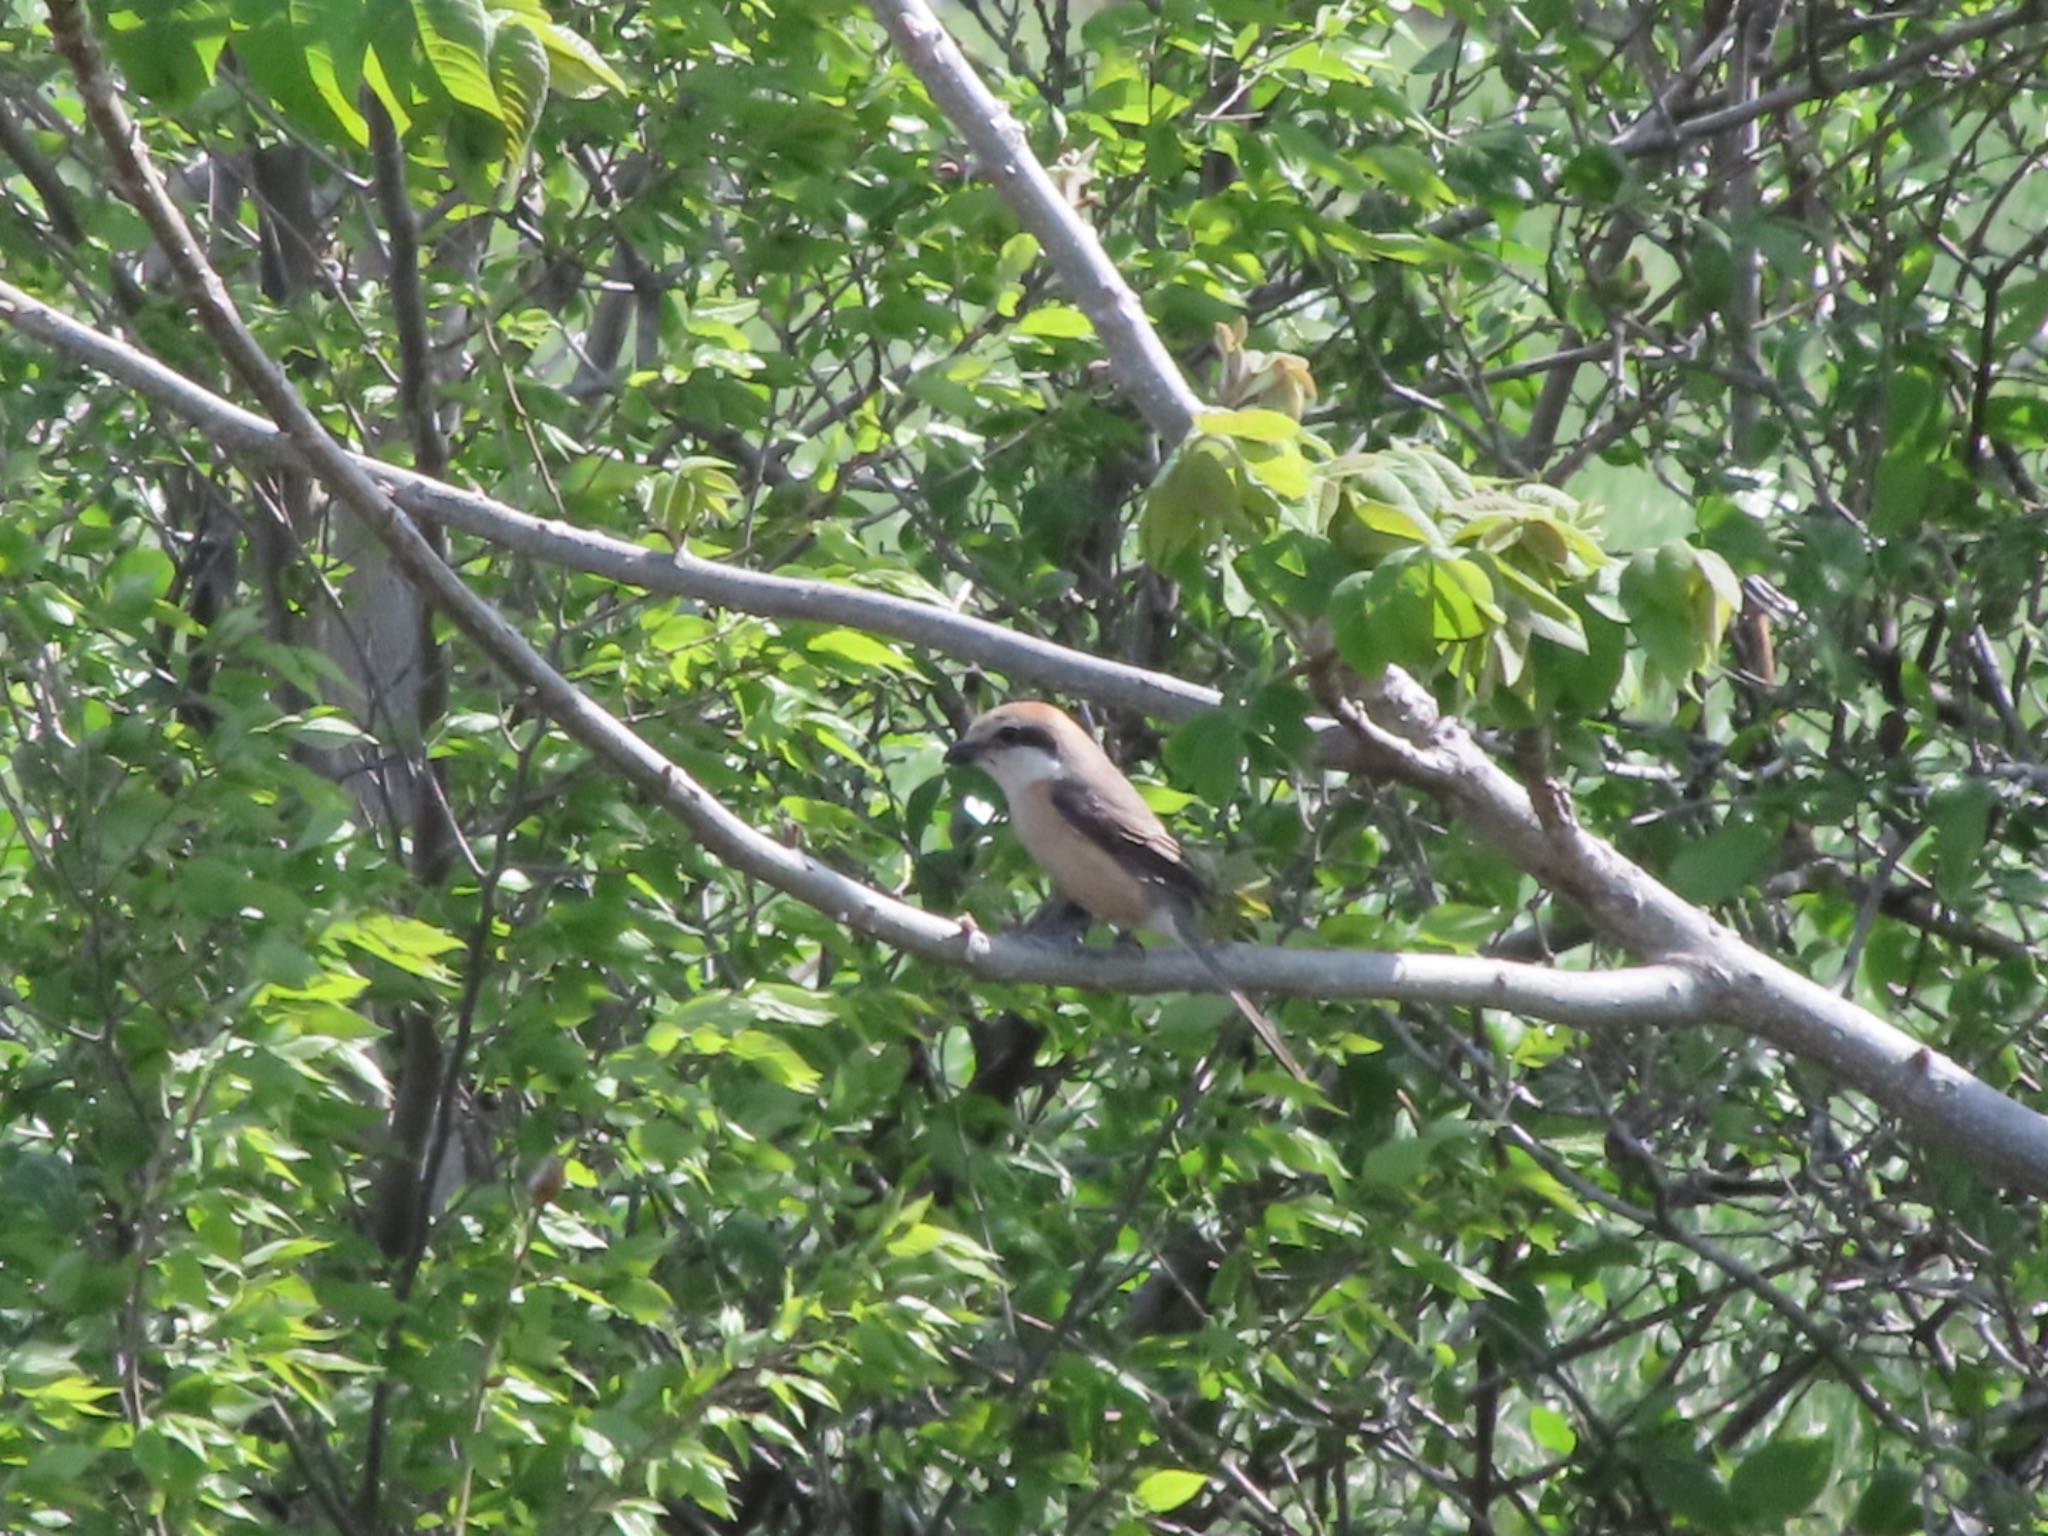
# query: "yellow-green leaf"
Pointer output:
{"type": "Point", "coordinates": [860, 649]}
{"type": "Point", "coordinates": [1169, 1488]}
{"type": "Point", "coordinates": [1250, 426]}
{"type": "Point", "coordinates": [519, 72]}
{"type": "Point", "coordinates": [1060, 320]}
{"type": "Point", "coordinates": [455, 35]}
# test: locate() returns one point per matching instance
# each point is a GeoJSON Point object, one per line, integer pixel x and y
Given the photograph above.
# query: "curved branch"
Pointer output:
{"type": "Point", "coordinates": [1628, 998]}
{"type": "Point", "coordinates": [1917, 1083]}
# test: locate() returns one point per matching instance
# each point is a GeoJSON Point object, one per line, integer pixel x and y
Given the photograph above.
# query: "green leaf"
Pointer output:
{"type": "Point", "coordinates": [1916, 265]}
{"type": "Point", "coordinates": [405, 942]}
{"type": "Point", "coordinates": [578, 70]}
{"type": "Point", "coordinates": [1916, 412]}
{"type": "Point", "coordinates": [1060, 320]}
{"type": "Point", "coordinates": [1374, 477]}
{"type": "Point", "coordinates": [1961, 816]}
{"type": "Point", "coordinates": [1534, 607]}
{"type": "Point", "coordinates": [519, 74]}
{"type": "Point", "coordinates": [1188, 504]}
{"type": "Point", "coordinates": [1282, 470]}
{"type": "Point", "coordinates": [1719, 866]}
{"type": "Point", "coordinates": [455, 35]}
{"type": "Point", "coordinates": [1169, 1488]}
{"type": "Point", "coordinates": [2021, 419]}
{"type": "Point", "coordinates": [137, 580]}
{"type": "Point", "coordinates": [1710, 268]}
{"type": "Point", "coordinates": [1595, 175]}
{"type": "Point", "coordinates": [1293, 572]}
{"type": "Point", "coordinates": [1208, 754]}
{"type": "Point", "coordinates": [636, 1517]}
{"type": "Point", "coordinates": [20, 551]}
{"type": "Point", "coordinates": [1551, 1430]}
{"type": "Point", "coordinates": [1723, 587]}
{"type": "Point", "coordinates": [326, 732]}
{"type": "Point", "coordinates": [170, 57]}
{"type": "Point", "coordinates": [1587, 684]}
{"type": "Point", "coordinates": [76, 1393]}
{"type": "Point", "coordinates": [1462, 601]}
{"type": "Point", "coordinates": [2022, 310]}
{"type": "Point", "coordinates": [1783, 1479]}
{"type": "Point", "coordinates": [642, 1300]}
{"type": "Point", "coordinates": [1381, 618]}
{"type": "Point", "coordinates": [1902, 485]}
{"type": "Point", "coordinates": [1341, 59]}
{"type": "Point", "coordinates": [1411, 611]}
{"type": "Point", "coordinates": [916, 1241]}
{"type": "Point", "coordinates": [1317, 157]}
{"type": "Point", "coordinates": [1257, 426]}
{"type": "Point", "coordinates": [1889, 1504]}
{"type": "Point", "coordinates": [1926, 129]}
{"type": "Point", "coordinates": [775, 1058]}
{"type": "Point", "coordinates": [307, 57]}
{"type": "Point", "coordinates": [1401, 1161]}
{"type": "Point", "coordinates": [1520, 1171]}
{"type": "Point", "coordinates": [1432, 480]}
{"type": "Point", "coordinates": [1405, 169]}
{"type": "Point", "coordinates": [664, 1144]}
{"type": "Point", "coordinates": [861, 649]}
{"type": "Point", "coordinates": [1679, 601]}
{"type": "Point", "coordinates": [1369, 530]}
{"type": "Point", "coordinates": [1689, 1486]}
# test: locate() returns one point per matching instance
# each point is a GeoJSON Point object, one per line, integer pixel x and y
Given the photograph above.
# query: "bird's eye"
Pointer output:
{"type": "Point", "coordinates": [1009, 733]}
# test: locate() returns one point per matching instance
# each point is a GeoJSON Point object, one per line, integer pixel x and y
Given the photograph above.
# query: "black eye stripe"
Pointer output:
{"type": "Point", "coordinates": [1028, 736]}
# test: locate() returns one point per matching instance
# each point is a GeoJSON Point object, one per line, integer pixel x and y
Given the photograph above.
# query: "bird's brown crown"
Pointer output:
{"type": "Point", "coordinates": [1021, 724]}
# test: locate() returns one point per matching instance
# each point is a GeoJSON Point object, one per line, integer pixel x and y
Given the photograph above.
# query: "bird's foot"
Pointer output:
{"type": "Point", "coordinates": [1059, 921]}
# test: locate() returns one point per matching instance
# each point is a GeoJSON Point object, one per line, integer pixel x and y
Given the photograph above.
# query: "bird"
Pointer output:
{"type": "Point", "coordinates": [1088, 829]}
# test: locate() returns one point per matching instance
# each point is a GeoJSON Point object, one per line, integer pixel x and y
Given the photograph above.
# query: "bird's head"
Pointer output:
{"type": "Point", "coordinates": [1023, 743]}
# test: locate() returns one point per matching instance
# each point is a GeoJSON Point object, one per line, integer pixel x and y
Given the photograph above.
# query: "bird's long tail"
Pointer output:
{"type": "Point", "coordinates": [1262, 1026]}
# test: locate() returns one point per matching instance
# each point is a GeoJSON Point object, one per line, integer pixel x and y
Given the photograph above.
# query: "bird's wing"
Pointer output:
{"type": "Point", "coordinates": [1124, 827]}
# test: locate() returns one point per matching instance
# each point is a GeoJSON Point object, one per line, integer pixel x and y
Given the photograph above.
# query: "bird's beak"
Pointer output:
{"type": "Point", "coordinates": [961, 752]}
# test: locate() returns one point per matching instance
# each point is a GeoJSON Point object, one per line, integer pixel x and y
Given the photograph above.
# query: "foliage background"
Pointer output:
{"type": "Point", "coordinates": [827, 1252]}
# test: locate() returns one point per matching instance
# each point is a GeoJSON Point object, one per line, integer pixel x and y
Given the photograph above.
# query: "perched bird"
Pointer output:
{"type": "Point", "coordinates": [1079, 817]}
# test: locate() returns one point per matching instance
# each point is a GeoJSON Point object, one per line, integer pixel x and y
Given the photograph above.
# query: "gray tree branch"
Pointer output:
{"type": "Point", "coordinates": [1137, 357]}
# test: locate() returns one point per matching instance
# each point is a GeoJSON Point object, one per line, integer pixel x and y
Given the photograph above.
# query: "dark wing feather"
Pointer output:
{"type": "Point", "coordinates": [1127, 830]}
